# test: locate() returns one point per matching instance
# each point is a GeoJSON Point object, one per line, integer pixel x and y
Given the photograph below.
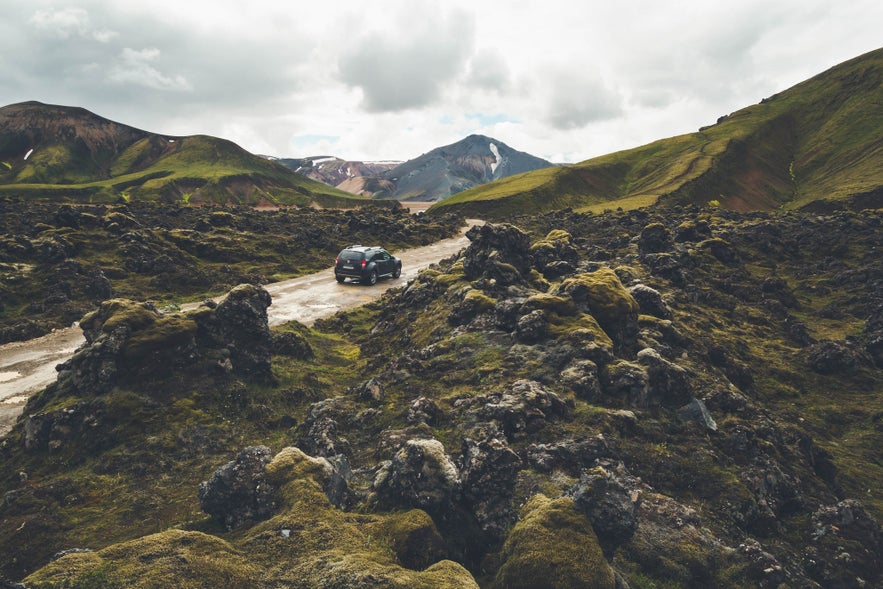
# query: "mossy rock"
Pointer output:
{"type": "Point", "coordinates": [563, 305]}
{"type": "Point", "coordinates": [478, 301]}
{"type": "Point", "coordinates": [606, 297]}
{"type": "Point", "coordinates": [119, 312]}
{"type": "Point", "coordinates": [173, 558]}
{"type": "Point", "coordinates": [165, 334]}
{"type": "Point", "coordinates": [413, 537]}
{"type": "Point", "coordinates": [553, 545]}
{"type": "Point", "coordinates": [553, 238]}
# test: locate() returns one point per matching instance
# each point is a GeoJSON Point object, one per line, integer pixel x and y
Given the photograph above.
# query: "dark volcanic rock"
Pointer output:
{"type": "Point", "coordinates": [830, 357]}
{"type": "Point", "coordinates": [488, 469]}
{"type": "Point", "coordinates": [654, 238]}
{"type": "Point", "coordinates": [650, 301]}
{"type": "Point", "coordinates": [569, 455]}
{"type": "Point", "coordinates": [420, 475]}
{"type": "Point", "coordinates": [610, 505]}
{"type": "Point", "coordinates": [238, 492]}
{"type": "Point", "coordinates": [523, 407]}
{"type": "Point", "coordinates": [498, 252]}
{"type": "Point", "coordinates": [241, 323]}
{"type": "Point", "coordinates": [668, 383]}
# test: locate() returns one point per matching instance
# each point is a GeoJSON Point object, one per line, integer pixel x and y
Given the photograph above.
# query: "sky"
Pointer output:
{"type": "Point", "coordinates": [393, 79]}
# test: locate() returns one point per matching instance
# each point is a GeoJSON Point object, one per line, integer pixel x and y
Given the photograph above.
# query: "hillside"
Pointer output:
{"type": "Point", "coordinates": [57, 152]}
{"type": "Point", "coordinates": [680, 398]}
{"type": "Point", "coordinates": [433, 176]}
{"type": "Point", "coordinates": [816, 144]}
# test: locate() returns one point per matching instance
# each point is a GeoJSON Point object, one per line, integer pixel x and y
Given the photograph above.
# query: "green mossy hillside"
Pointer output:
{"type": "Point", "coordinates": [813, 145]}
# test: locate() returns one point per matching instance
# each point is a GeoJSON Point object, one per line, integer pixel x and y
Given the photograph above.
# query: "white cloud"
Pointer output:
{"type": "Point", "coordinates": [71, 21]}
{"type": "Point", "coordinates": [136, 67]}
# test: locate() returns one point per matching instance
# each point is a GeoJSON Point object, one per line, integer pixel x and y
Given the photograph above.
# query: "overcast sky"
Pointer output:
{"type": "Point", "coordinates": [389, 79]}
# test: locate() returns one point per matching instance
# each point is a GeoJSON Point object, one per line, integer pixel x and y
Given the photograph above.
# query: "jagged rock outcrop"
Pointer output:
{"type": "Point", "coordinates": [522, 408]}
{"type": "Point", "coordinates": [499, 252]}
{"type": "Point", "coordinates": [488, 469]}
{"type": "Point", "coordinates": [609, 504]}
{"type": "Point", "coordinates": [238, 492]}
{"type": "Point", "coordinates": [420, 475]}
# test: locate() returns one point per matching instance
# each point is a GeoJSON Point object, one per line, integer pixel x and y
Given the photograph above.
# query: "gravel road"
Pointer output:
{"type": "Point", "coordinates": [28, 367]}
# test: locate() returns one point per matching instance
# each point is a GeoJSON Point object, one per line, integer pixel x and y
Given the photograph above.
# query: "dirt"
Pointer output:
{"type": "Point", "coordinates": [28, 367]}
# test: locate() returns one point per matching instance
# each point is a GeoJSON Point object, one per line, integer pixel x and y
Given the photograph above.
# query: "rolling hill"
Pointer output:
{"type": "Point", "coordinates": [817, 144]}
{"type": "Point", "coordinates": [60, 152]}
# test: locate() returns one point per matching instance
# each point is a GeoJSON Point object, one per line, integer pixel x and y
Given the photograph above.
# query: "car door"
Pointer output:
{"type": "Point", "coordinates": [383, 262]}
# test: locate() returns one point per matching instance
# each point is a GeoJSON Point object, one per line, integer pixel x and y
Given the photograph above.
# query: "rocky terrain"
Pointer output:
{"type": "Point", "coordinates": [670, 398]}
{"type": "Point", "coordinates": [58, 262]}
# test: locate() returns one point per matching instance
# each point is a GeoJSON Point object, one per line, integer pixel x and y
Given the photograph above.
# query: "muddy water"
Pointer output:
{"type": "Point", "coordinates": [28, 367]}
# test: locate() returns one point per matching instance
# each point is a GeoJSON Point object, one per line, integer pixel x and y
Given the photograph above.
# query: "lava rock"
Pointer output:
{"type": "Point", "coordinates": [522, 408]}
{"type": "Point", "coordinates": [498, 251]}
{"type": "Point", "coordinates": [697, 412]}
{"type": "Point", "coordinates": [609, 505]}
{"type": "Point", "coordinates": [424, 410]}
{"type": "Point", "coordinates": [650, 301]}
{"type": "Point", "coordinates": [582, 378]}
{"type": "Point", "coordinates": [569, 455]}
{"type": "Point", "coordinates": [830, 357]}
{"type": "Point", "coordinates": [238, 492]}
{"type": "Point", "coordinates": [654, 238]}
{"type": "Point", "coordinates": [668, 383]}
{"type": "Point", "coordinates": [488, 469]}
{"type": "Point", "coordinates": [420, 475]}
{"type": "Point", "coordinates": [626, 381]}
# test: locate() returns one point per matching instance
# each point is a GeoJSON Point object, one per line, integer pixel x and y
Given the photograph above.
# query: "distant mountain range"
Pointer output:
{"type": "Point", "coordinates": [818, 144]}
{"type": "Point", "coordinates": [62, 152]}
{"type": "Point", "coordinates": [433, 176]}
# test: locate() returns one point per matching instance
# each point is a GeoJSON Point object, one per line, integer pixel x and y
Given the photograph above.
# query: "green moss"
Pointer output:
{"type": "Point", "coordinates": [552, 239]}
{"type": "Point", "coordinates": [563, 305]}
{"type": "Point", "coordinates": [479, 301]}
{"type": "Point", "coordinates": [553, 545]}
{"type": "Point", "coordinates": [602, 291]}
{"type": "Point", "coordinates": [168, 559]}
{"type": "Point", "coordinates": [164, 334]}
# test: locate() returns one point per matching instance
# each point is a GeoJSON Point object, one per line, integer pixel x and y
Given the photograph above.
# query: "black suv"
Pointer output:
{"type": "Point", "coordinates": [366, 264]}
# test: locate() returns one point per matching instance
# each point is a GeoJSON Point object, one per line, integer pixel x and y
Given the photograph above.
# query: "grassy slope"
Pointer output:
{"type": "Point", "coordinates": [143, 166]}
{"type": "Point", "coordinates": [817, 140]}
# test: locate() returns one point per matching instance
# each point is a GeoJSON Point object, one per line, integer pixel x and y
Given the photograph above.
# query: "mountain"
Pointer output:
{"type": "Point", "coordinates": [49, 151]}
{"type": "Point", "coordinates": [433, 176]}
{"type": "Point", "coordinates": [362, 178]}
{"type": "Point", "coordinates": [817, 144]}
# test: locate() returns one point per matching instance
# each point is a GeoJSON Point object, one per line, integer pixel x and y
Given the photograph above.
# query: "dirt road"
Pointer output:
{"type": "Point", "coordinates": [28, 367]}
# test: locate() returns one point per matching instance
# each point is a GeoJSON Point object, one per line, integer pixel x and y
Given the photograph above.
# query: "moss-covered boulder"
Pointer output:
{"type": "Point", "coordinates": [174, 558]}
{"type": "Point", "coordinates": [553, 545]}
{"type": "Point", "coordinates": [602, 295]}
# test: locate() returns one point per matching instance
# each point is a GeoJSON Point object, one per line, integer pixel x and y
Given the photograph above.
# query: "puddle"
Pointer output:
{"type": "Point", "coordinates": [4, 376]}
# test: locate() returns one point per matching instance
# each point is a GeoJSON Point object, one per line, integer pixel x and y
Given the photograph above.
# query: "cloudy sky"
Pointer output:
{"type": "Point", "coordinates": [390, 79]}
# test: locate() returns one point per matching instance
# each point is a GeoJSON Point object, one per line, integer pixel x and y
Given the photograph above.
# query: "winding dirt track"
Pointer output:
{"type": "Point", "coordinates": [28, 367]}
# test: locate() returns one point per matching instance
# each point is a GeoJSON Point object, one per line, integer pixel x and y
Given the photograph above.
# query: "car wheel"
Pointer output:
{"type": "Point", "coordinates": [340, 278]}
{"type": "Point", "coordinates": [372, 278]}
{"type": "Point", "coordinates": [397, 272]}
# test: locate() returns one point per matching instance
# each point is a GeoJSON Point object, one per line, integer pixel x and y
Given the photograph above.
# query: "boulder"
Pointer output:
{"type": "Point", "coordinates": [697, 412]}
{"type": "Point", "coordinates": [626, 381]}
{"type": "Point", "coordinates": [238, 492]}
{"type": "Point", "coordinates": [581, 376]}
{"type": "Point", "coordinates": [602, 295]}
{"type": "Point", "coordinates": [650, 301]}
{"type": "Point", "coordinates": [654, 238]}
{"type": "Point", "coordinates": [524, 407]}
{"type": "Point", "coordinates": [554, 255]}
{"type": "Point", "coordinates": [830, 357]}
{"type": "Point", "coordinates": [668, 383]}
{"type": "Point", "coordinates": [488, 469]}
{"type": "Point", "coordinates": [320, 431]}
{"type": "Point", "coordinates": [240, 323]}
{"type": "Point", "coordinates": [610, 505]}
{"type": "Point", "coordinates": [424, 410]}
{"type": "Point", "coordinates": [552, 545]}
{"type": "Point", "coordinates": [500, 252]}
{"type": "Point", "coordinates": [569, 455]}
{"type": "Point", "coordinates": [420, 475]}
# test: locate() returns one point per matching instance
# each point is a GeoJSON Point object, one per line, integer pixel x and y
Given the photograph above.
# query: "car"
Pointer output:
{"type": "Point", "coordinates": [366, 264]}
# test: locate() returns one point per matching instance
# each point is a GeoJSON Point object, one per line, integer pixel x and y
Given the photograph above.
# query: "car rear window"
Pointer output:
{"type": "Point", "coordinates": [345, 255]}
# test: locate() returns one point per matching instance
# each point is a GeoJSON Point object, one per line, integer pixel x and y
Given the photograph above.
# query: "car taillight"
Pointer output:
{"type": "Point", "coordinates": [335, 261]}
{"type": "Point", "coordinates": [364, 263]}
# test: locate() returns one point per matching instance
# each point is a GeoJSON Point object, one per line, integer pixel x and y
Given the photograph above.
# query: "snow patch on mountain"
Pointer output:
{"type": "Point", "coordinates": [497, 157]}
